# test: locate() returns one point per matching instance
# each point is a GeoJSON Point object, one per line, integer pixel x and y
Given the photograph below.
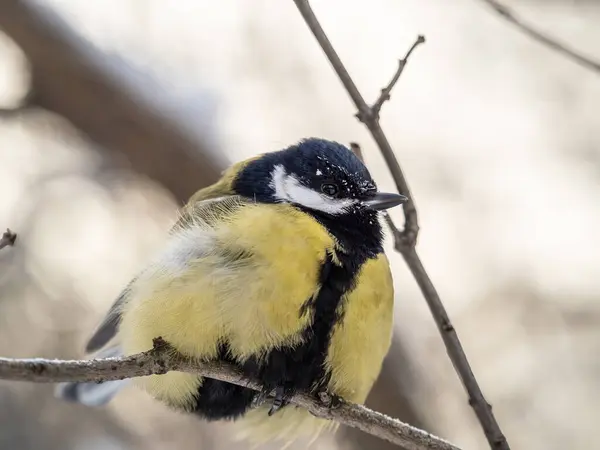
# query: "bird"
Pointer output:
{"type": "Point", "coordinates": [278, 268]}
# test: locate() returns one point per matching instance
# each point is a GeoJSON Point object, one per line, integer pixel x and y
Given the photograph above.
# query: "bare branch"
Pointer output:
{"type": "Point", "coordinates": [405, 241]}
{"type": "Point", "coordinates": [387, 91]}
{"type": "Point", "coordinates": [544, 39]}
{"type": "Point", "coordinates": [162, 359]}
{"type": "Point", "coordinates": [357, 150]}
{"type": "Point", "coordinates": [396, 233]}
{"type": "Point", "coordinates": [8, 239]}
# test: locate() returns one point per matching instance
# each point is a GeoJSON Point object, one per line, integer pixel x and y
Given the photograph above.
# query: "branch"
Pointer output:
{"type": "Point", "coordinates": [544, 39]}
{"type": "Point", "coordinates": [386, 91]}
{"type": "Point", "coordinates": [162, 359]}
{"type": "Point", "coordinates": [405, 241]}
{"type": "Point", "coordinates": [8, 239]}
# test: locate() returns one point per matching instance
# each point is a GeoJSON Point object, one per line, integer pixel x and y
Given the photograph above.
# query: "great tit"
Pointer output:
{"type": "Point", "coordinates": [279, 269]}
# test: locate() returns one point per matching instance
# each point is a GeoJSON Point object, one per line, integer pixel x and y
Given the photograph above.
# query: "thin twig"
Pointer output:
{"type": "Point", "coordinates": [396, 233]}
{"type": "Point", "coordinates": [405, 241]}
{"type": "Point", "coordinates": [387, 91]}
{"type": "Point", "coordinates": [162, 359]}
{"type": "Point", "coordinates": [386, 216]}
{"type": "Point", "coordinates": [357, 150]}
{"type": "Point", "coordinates": [541, 37]}
{"type": "Point", "coordinates": [8, 239]}
{"type": "Point", "coordinates": [411, 226]}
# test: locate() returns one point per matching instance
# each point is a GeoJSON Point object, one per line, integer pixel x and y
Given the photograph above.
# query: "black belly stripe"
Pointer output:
{"type": "Point", "coordinates": [300, 368]}
{"type": "Point", "coordinates": [217, 399]}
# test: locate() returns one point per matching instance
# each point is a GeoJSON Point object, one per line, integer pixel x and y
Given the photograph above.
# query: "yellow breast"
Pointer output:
{"type": "Point", "coordinates": [287, 248]}
{"type": "Point", "coordinates": [359, 344]}
{"type": "Point", "coordinates": [242, 279]}
{"type": "Point", "coordinates": [357, 348]}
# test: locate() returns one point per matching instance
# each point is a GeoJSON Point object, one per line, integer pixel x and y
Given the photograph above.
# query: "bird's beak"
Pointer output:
{"type": "Point", "coordinates": [384, 200]}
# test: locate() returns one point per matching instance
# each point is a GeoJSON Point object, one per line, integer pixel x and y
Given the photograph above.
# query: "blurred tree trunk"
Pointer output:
{"type": "Point", "coordinates": [70, 79]}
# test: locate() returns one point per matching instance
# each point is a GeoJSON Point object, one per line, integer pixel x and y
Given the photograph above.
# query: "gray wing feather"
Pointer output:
{"type": "Point", "coordinates": [110, 325]}
{"type": "Point", "coordinates": [207, 212]}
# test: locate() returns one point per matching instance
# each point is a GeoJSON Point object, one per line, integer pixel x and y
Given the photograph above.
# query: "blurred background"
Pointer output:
{"type": "Point", "coordinates": [113, 112]}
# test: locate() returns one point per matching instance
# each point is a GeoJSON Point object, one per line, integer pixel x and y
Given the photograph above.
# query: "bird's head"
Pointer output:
{"type": "Point", "coordinates": [316, 174]}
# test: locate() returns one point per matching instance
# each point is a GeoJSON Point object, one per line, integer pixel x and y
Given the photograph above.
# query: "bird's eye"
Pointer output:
{"type": "Point", "coordinates": [329, 189]}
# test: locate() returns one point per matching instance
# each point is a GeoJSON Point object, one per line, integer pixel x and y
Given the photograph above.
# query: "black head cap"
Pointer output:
{"type": "Point", "coordinates": [317, 174]}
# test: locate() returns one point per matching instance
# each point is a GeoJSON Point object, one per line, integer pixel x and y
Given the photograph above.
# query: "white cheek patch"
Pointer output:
{"type": "Point", "coordinates": [287, 188]}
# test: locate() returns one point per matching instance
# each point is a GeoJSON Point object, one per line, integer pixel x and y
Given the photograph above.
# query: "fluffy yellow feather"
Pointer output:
{"type": "Point", "coordinates": [277, 268]}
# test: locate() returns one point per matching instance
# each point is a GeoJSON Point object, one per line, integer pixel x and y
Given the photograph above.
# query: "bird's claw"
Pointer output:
{"type": "Point", "coordinates": [329, 400]}
{"type": "Point", "coordinates": [259, 399]}
{"type": "Point", "coordinates": [282, 396]}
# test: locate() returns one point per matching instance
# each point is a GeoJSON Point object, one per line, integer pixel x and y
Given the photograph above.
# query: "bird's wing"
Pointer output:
{"type": "Point", "coordinates": [207, 211]}
{"type": "Point", "coordinates": [109, 325]}
{"type": "Point", "coordinates": [233, 281]}
{"type": "Point", "coordinates": [232, 269]}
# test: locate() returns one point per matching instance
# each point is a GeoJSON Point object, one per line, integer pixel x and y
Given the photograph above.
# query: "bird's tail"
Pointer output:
{"type": "Point", "coordinates": [92, 393]}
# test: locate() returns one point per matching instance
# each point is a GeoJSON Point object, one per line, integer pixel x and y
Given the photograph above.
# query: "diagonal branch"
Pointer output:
{"type": "Point", "coordinates": [405, 241]}
{"type": "Point", "coordinates": [544, 39]}
{"type": "Point", "coordinates": [8, 239]}
{"type": "Point", "coordinates": [386, 91]}
{"type": "Point", "coordinates": [162, 359]}
{"type": "Point", "coordinates": [365, 115]}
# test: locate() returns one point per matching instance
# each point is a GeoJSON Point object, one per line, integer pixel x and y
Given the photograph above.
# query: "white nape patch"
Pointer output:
{"type": "Point", "coordinates": [288, 188]}
{"type": "Point", "coordinates": [318, 172]}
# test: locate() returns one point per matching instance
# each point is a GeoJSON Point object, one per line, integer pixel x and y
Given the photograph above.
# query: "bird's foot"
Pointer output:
{"type": "Point", "coordinates": [282, 398]}
{"type": "Point", "coordinates": [260, 398]}
{"type": "Point", "coordinates": [329, 400]}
